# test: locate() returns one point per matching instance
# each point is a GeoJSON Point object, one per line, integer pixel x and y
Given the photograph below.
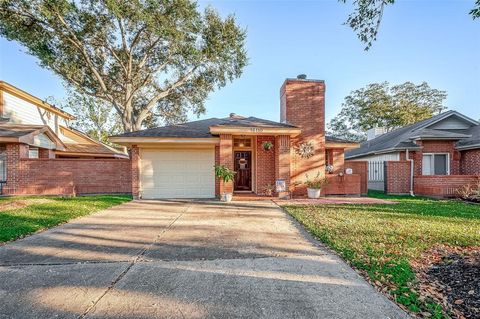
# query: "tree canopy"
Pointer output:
{"type": "Point", "coordinates": [146, 59]}
{"type": "Point", "coordinates": [93, 116]}
{"type": "Point", "coordinates": [367, 16]}
{"type": "Point", "coordinates": [387, 106]}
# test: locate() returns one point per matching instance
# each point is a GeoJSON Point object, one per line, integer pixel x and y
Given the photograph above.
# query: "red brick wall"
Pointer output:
{"type": "Point", "coordinates": [470, 162]}
{"type": "Point", "coordinates": [303, 105]}
{"type": "Point", "coordinates": [265, 164]}
{"type": "Point", "coordinates": [68, 176]}
{"type": "Point", "coordinates": [282, 162]}
{"type": "Point", "coordinates": [217, 162]}
{"type": "Point", "coordinates": [360, 168]}
{"type": "Point", "coordinates": [226, 158]}
{"type": "Point", "coordinates": [13, 168]}
{"type": "Point", "coordinates": [135, 170]}
{"type": "Point", "coordinates": [45, 153]}
{"type": "Point", "coordinates": [438, 147]}
{"type": "Point", "coordinates": [343, 185]}
{"type": "Point", "coordinates": [338, 160]}
{"type": "Point", "coordinates": [441, 186]}
{"type": "Point", "coordinates": [397, 177]}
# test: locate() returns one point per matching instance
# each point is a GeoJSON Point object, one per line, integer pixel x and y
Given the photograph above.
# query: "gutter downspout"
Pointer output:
{"type": "Point", "coordinates": [407, 155]}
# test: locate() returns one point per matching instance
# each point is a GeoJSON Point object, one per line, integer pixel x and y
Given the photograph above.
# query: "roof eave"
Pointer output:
{"type": "Point", "coordinates": [345, 145]}
{"type": "Point", "coordinates": [394, 149]}
{"type": "Point", "coordinates": [7, 87]}
{"type": "Point", "coordinates": [460, 115]}
{"type": "Point", "coordinates": [468, 147]}
{"type": "Point", "coordinates": [93, 154]}
{"type": "Point", "coordinates": [436, 138]}
{"type": "Point", "coordinates": [131, 140]}
{"type": "Point", "coordinates": [254, 130]}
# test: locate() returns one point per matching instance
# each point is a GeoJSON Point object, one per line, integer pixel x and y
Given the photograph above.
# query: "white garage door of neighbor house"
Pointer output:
{"type": "Point", "coordinates": [177, 173]}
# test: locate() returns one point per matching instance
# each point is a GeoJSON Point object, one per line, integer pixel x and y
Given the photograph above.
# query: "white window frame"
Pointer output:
{"type": "Point", "coordinates": [34, 149]}
{"type": "Point", "coordinates": [432, 163]}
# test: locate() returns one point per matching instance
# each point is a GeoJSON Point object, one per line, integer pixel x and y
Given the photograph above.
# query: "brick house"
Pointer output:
{"type": "Point", "coordinates": [432, 157]}
{"type": "Point", "coordinates": [177, 161]}
{"type": "Point", "coordinates": [41, 154]}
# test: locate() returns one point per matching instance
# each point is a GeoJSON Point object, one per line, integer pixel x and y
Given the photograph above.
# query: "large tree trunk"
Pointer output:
{"type": "Point", "coordinates": [128, 125]}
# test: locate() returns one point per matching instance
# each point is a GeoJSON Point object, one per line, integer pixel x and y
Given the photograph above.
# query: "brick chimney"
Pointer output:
{"type": "Point", "coordinates": [302, 103]}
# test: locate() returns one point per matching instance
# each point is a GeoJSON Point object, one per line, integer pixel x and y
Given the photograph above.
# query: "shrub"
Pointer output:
{"type": "Point", "coordinates": [316, 183]}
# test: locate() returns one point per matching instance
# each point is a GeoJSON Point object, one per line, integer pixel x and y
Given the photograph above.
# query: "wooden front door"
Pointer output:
{"type": "Point", "coordinates": [243, 167]}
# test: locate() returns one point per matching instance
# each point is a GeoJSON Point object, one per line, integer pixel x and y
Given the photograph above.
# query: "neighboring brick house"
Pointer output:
{"type": "Point", "coordinates": [177, 160]}
{"type": "Point", "coordinates": [434, 157]}
{"type": "Point", "coordinates": [33, 133]}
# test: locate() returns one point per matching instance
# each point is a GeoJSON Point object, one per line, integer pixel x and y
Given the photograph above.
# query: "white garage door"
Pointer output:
{"type": "Point", "coordinates": [177, 173]}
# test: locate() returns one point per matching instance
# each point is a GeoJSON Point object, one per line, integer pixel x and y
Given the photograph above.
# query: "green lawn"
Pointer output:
{"type": "Point", "coordinates": [20, 216]}
{"type": "Point", "coordinates": [381, 240]}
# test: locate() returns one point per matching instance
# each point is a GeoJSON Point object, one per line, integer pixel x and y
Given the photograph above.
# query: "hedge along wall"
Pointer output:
{"type": "Point", "coordinates": [68, 176]}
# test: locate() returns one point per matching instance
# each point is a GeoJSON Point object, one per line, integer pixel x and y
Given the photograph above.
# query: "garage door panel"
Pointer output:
{"type": "Point", "coordinates": [177, 173]}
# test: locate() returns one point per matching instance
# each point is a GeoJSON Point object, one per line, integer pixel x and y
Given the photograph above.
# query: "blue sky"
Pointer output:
{"type": "Point", "coordinates": [433, 41]}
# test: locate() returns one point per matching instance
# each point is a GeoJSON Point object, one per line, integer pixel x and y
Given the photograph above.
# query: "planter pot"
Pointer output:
{"type": "Point", "coordinates": [314, 192]}
{"type": "Point", "coordinates": [226, 197]}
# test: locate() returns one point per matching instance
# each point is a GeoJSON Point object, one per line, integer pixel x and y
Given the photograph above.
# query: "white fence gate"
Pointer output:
{"type": "Point", "coordinates": [376, 178]}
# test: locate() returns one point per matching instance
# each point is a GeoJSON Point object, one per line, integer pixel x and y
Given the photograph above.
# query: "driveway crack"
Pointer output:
{"type": "Point", "coordinates": [131, 264]}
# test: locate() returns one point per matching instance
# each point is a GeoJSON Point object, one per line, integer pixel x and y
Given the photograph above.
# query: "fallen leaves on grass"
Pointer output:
{"type": "Point", "coordinates": [22, 203]}
{"type": "Point", "coordinates": [451, 276]}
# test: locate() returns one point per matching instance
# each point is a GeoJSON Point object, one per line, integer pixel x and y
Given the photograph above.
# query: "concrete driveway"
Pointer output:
{"type": "Point", "coordinates": [182, 259]}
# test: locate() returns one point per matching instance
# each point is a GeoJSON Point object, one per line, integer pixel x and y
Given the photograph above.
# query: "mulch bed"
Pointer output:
{"type": "Point", "coordinates": [451, 276]}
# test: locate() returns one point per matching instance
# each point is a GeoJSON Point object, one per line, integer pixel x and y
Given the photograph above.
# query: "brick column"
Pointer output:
{"type": "Point", "coordinates": [338, 160]}
{"type": "Point", "coordinates": [45, 153]}
{"type": "Point", "coordinates": [226, 158]}
{"type": "Point", "coordinates": [135, 156]}
{"type": "Point", "coordinates": [455, 165]}
{"type": "Point", "coordinates": [13, 169]}
{"type": "Point", "coordinates": [282, 161]}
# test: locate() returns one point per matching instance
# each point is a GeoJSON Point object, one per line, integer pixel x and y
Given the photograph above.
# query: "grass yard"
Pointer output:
{"type": "Point", "coordinates": [20, 216]}
{"type": "Point", "coordinates": [382, 240]}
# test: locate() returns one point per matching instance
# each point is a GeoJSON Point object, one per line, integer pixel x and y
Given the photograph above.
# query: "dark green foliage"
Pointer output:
{"type": "Point", "coordinates": [385, 105]}
{"type": "Point", "coordinates": [224, 173]}
{"type": "Point", "coordinates": [148, 59]}
{"type": "Point", "coordinates": [367, 16]}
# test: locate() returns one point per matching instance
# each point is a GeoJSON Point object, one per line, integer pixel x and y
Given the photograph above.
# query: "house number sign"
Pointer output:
{"type": "Point", "coordinates": [280, 185]}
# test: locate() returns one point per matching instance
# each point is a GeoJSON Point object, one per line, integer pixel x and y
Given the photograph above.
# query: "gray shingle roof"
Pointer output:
{"type": "Point", "coordinates": [201, 128]}
{"type": "Point", "coordinates": [473, 140]}
{"type": "Point", "coordinates": [334, 139]}
{"type": "Point", "coordinates": [438, 134]}
{"type": "Point", "coordinates": [18, 130]}
{"type": "Point", "coordinates": [401, 138]}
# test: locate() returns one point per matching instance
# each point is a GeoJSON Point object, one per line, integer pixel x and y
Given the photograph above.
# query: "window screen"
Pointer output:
{"type": "Point", "coordinates": [440, 164]}
{"type": "Point", "coordinates": [435, 164]}
{"type": "Point", "coordinates": [427, 165]}
{"type": "Point", "coordinates": [33, 153]}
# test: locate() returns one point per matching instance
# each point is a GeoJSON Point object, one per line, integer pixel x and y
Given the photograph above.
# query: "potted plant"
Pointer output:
{"type": "Point", "coordinates": [267, 145]}
{"type": "Point", "coordinates": [225, 175]}
{"type": "Point", "coordinates": [268, 189]}
{"type": "Point", "coordinates": [314, 186]}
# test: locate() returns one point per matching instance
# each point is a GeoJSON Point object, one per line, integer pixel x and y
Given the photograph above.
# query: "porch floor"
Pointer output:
{"type": "Point", "coordinates": [250, 196]}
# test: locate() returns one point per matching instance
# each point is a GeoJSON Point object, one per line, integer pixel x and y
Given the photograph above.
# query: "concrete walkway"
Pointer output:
{"type": "Point", "coordinates": [181, 259]}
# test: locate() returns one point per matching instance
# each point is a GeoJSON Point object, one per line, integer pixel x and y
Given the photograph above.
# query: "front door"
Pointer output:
{"type": "Point", "coordinates": [243, 167]}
